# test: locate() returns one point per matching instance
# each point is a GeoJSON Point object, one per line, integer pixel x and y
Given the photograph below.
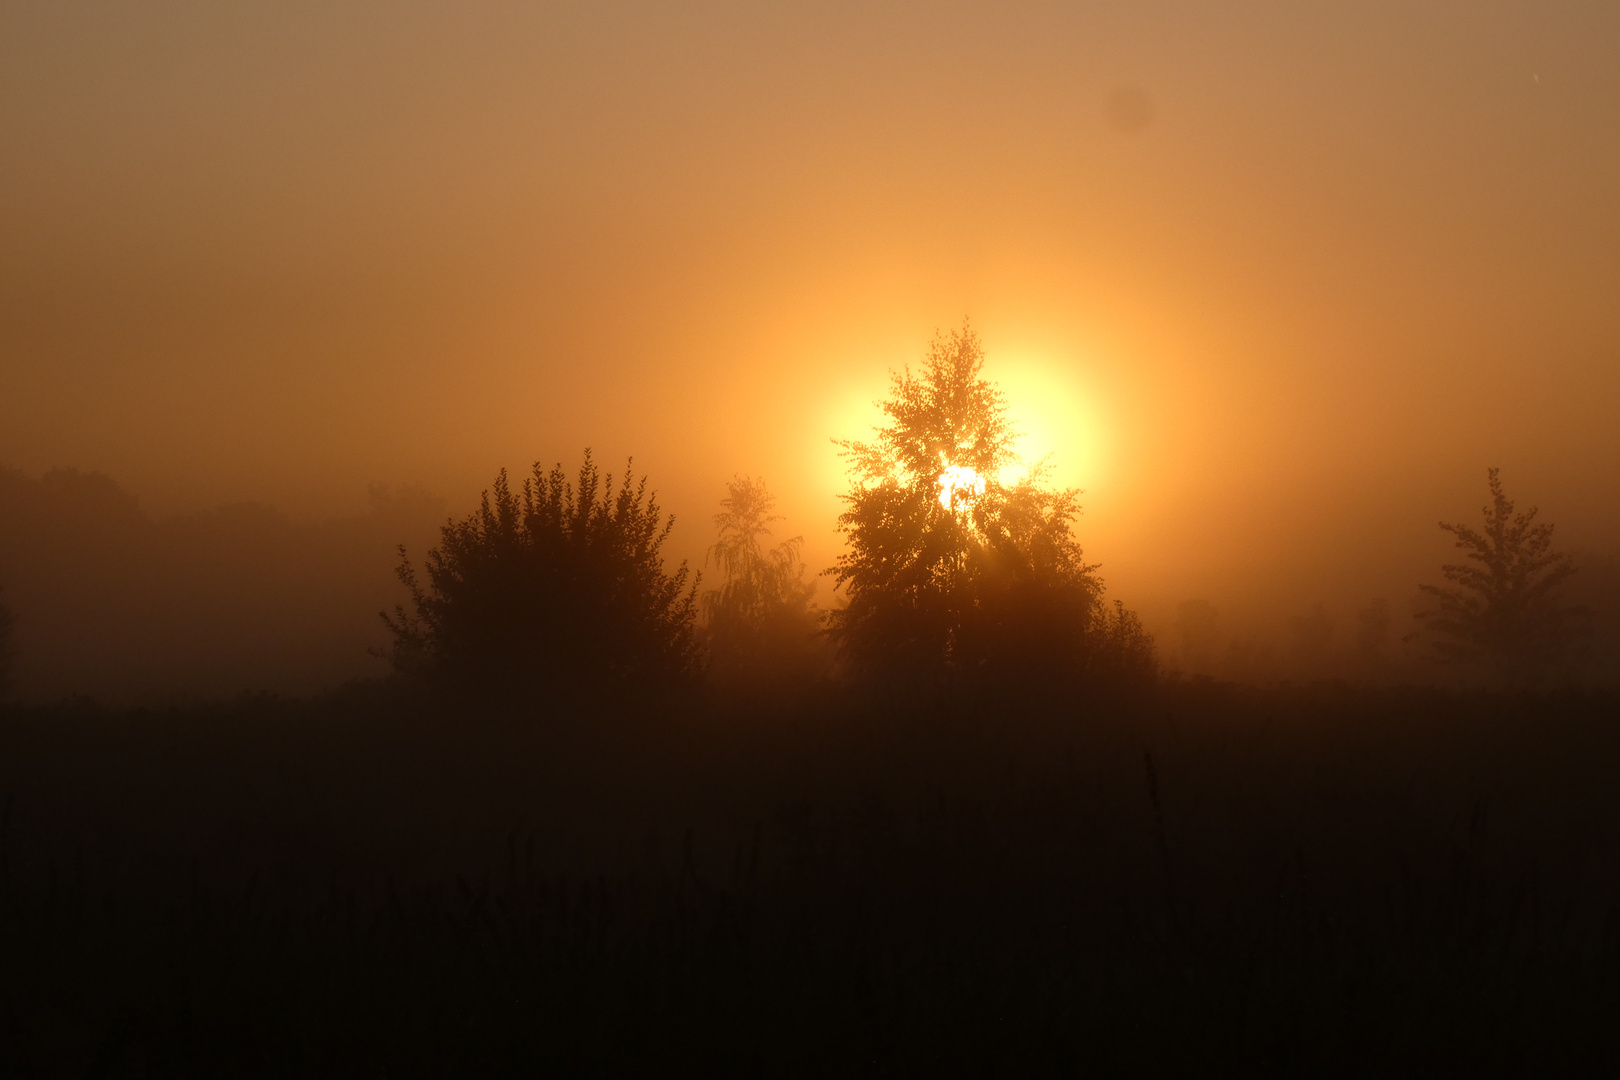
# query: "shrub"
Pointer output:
{"type": "Point", "coordinates": [558, 585]}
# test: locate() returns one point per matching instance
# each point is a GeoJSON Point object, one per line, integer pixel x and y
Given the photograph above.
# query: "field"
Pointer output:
{"type": "Point", "coordinates": [1317, 880]}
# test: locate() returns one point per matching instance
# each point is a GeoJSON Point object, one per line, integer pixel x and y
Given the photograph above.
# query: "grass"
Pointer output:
{"type": "Point", "coordinates": [1201, 879]}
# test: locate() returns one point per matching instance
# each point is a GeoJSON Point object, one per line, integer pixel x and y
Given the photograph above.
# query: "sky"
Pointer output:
{"type": "Point", "coordinates": [1274, 283]}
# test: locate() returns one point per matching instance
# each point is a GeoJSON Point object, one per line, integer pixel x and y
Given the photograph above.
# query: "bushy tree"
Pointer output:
{"type": "Point", "coordinates": [950, 572]}
{"type": "Point", "coordinates": [1502, 607]}
{"type": "Point", "coordinates": [558, 583]}
{"type": "Point", "coordinates": [761, 621]}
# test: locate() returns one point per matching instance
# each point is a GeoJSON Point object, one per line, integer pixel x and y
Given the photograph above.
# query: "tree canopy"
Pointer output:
{"type": "Point", "coordinates": [1502, 607]}
{"type": "Point", "coordinates": [950, 571]}
{"type": "Point", "coordinates": [558, 581]}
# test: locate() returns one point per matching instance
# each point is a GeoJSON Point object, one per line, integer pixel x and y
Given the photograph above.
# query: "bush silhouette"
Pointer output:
{"type": "Point", "coordinates": [1502, 610]}
{"type": "Point", "coordinates": [952, 573]}
{"type": "Point", "coordinates": [558, 583]}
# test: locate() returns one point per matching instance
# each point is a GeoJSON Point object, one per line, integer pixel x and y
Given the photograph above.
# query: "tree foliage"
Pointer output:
{"type": "Point", "coordinates": [951, 572]}
{"type": "Point", "coordinates": [761, 620]}
{"type": "Point", "coordinates": [558, 582]}
{"type": "Point", "coordinates": [1502, 607]}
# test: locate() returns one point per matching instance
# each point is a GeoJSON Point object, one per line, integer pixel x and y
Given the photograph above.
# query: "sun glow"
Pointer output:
{"type": "Point", "coordinates": [1055, 412]}
{"type": "Point", "coordinates": [959, 488]}
{"type": "Point", "coordinates": [1062, 428]}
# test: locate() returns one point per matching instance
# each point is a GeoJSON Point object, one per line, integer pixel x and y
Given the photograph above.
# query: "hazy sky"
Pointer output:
{"type": "Point", "coordinates": [1275, 282]}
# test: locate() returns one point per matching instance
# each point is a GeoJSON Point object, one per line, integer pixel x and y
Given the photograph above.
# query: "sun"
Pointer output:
{"type": "Point", "coordinates": [1064, 431]}
{"type": "Point", "coordinates": [959, 488]}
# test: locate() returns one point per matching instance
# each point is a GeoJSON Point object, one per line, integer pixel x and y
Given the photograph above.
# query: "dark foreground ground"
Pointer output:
{"type": "Point", "coordinates": [1199, 881]}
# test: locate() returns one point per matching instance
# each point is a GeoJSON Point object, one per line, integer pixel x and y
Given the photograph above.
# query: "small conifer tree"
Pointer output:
{"type": "Point", "coordinates": [1502, 608]}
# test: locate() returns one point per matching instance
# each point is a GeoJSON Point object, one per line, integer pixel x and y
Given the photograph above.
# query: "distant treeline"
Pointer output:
{"type": "Point", "coordinates": [951, 576]}
{"type": "Point", "coordinates": [1377, 641]}
{"type": "Point", "coordinates": [110, 602]}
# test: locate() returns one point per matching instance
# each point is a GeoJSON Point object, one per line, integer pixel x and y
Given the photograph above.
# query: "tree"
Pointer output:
{"type": "Point", "coordinates": [761, 621]}
{"type": "Point", "coordinates": [949, 571]}
{"type": "Point", "coordinates": [559, 583]}
{"type": "Point", "coordinates": [1502, 607]}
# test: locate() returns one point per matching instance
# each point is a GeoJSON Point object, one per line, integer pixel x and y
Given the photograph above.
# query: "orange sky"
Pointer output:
{"type": "Point", "coordinates": [1274, 282]}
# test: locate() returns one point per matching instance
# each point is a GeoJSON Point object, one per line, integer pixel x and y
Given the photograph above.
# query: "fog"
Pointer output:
{"type": "Point", "coordinates": [1274, 284]}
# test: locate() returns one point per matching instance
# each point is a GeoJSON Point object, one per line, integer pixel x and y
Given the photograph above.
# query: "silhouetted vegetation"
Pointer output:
{"type": "Point", "coordinates": [762, 622]}
{"type": "Point", "coordinates": [556, 585]}
{"type": "Point", "coordinates": [1503, 610]}
{"type": "Point", "coordinates": [127, 607]}
{"type": "Point", "coordinates": [953, 574]}
{"type": "Point", "coordinates": [1085, 870]}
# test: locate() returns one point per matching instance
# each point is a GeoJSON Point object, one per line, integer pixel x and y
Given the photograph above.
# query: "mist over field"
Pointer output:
{"type": "Point", "coordinates": [1019, 539]}
{"type": "Point", "coordinates": [1274, 286]}
{"type": "Point", "coordinates": [127, 606]}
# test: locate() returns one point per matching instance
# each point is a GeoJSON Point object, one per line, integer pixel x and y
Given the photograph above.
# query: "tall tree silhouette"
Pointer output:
{"type": "Point", "coordinates": [1502, 607]}
{"type": "Point", "coordinates": [761, 621]}
{"type": "Point", "coordinates": [950, 572]}
{"type": "Point", "coordinates": [557, 582]}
